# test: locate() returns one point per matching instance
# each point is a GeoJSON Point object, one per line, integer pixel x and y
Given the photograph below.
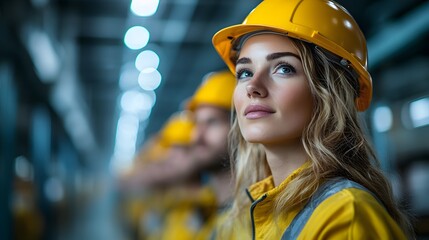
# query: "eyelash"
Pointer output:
{"type": "Point", "coordinates": [241, 71]}
{"type": "Point", "coordinates": [285, 64]}
{"type": "Point", "coordinates": [278, 66]}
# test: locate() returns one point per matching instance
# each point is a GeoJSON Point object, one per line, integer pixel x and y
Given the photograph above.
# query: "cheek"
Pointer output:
{"type": "Point", "coordinates": [238, 101]}
{"type": "Point", "coordinates": [218, 135]}
{"type": "Point", "coordinates": [238, 98]}
{"type": "Point", "coordinates": [291, 99]}
{"type": "Point", "coordinates": [298, 103]}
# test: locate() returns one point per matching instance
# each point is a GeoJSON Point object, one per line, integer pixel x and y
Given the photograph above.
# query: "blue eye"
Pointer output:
{"type": "Point", "coordinates": [285, 69]}
{"type": "Point", "coordinates": [244, 73]}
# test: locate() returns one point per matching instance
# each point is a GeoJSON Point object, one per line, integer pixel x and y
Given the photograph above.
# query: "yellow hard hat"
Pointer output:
{"type": "Point", "coordinates": [177, 130]}
{"type": "Point", "coordinates": [322, 22]}
{"type": "Point", "coordinates": [215, 90]}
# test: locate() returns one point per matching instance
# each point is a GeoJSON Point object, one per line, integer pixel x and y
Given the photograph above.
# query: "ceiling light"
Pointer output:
{"type": "Point", "coordinates": [383, 119]}
{"type": "Point", "coordinates": [136, 37]}
{"type": "Point", "coordinates": [147, 59]}
{"type": "Point", "coordinates": [144, 8]}
{"type": "Point", "coordinates": [135, 102]}
{"type": "Point", "coordinates": [129, 76]}
{"type": "Point", "coordinates": [125, 142]}
{"type": "Point", "coordinates": [44, 56]}
{"type": "Point", "coordinates": [419, 112]}
{"type": "Point", "coordinates": [149, 79]}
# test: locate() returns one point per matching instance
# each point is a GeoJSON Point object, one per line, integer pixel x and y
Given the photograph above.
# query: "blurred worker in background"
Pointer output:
{"type": "Point", "coordinates": [174, 204]}
{"type": "Point", "coordinates": [171, 178]}
{"type": "Point", "coordinates": [188, 204]}
{"type": "Point", "coordinates": [211, 105]}
{"type": "Point", "coordinates": [141, 202]}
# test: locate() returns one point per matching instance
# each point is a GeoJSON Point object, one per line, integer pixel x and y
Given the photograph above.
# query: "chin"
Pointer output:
{"type": "Point", "coordinates": [254, 139]}
{"type": "Point", "coordinates": [270, 140]}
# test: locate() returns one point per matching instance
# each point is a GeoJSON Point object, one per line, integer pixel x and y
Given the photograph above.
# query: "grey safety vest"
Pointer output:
{"type": "Point", "coordinates": [327, 189]}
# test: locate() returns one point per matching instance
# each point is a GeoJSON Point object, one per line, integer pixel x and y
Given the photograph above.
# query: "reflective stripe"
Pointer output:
{"type": "Point", "coordinates": [327, 189]}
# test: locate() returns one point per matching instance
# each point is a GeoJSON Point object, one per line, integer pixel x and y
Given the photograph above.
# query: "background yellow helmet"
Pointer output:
{"type": "Point", "coordinates": [322, 22]}
{"type": "Point", "coordinates": [216, 89]}
{"type": "Point", "coordinates": [177, 130]}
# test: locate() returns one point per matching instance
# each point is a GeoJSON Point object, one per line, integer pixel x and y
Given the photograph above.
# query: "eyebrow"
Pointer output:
{"type": "Point", "coordinates": [273, 56]}
{"type": "Point", "coordinates": [270, 57]}
{"type": "Point", "coordinates": [243, 60]}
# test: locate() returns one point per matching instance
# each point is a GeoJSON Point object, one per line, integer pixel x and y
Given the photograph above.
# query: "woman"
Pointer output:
{"type": "Point", "coordinates": [299, 149]}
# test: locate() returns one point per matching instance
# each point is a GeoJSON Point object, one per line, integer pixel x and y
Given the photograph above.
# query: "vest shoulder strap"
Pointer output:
{"type": "Point", "coordinates": [326, 190]}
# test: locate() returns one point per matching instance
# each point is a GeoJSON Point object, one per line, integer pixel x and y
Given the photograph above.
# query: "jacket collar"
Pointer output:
{"type": "Point", "coordinates": [266, 186]}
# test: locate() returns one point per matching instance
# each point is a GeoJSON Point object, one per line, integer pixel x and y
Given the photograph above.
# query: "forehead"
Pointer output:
{"type": "Point", "coordinates": [266, 43]}
{"type": "Point", "coordinates": [209, 111]}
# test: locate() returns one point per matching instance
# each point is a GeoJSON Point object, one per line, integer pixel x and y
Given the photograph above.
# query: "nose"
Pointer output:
{"type": "Point", "coordinates": [198, 134]}
{"type": "Point", "coordinates": [256, 88]}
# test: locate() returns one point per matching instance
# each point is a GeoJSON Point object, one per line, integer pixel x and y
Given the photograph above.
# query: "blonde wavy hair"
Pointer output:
{"type": "Point", "coordinates": [333, 140]}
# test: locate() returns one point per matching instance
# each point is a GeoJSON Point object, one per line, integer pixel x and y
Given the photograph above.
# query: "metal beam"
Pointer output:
{"type": "Point", "coordinates": [397, 35]}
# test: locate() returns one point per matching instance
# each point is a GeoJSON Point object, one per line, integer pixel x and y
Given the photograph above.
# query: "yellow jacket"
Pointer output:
{"type": "Point", "coordinates": [182, 223]}
{"type": "Point", "coordinates": [208, 230]}
{"type": "Point", "coordinates": [348, 214]}
{"type": "Point", "coordinates": [188, 211]}
{"type": "Point", "coordinates": [226, 227]}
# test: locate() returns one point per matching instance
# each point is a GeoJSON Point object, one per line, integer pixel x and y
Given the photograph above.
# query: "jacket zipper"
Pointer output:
{"type": "Point", "coordinates": [252, 208]}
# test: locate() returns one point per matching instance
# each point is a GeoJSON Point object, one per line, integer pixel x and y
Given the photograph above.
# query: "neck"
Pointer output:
{"type": "Point", "coordinates": [222, 185]}
{"type": "Point", "coordinates": [283, 159]}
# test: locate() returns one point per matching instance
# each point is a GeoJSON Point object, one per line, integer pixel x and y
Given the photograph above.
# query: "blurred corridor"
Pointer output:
{"type": "Point", "coordinates": [88, 86]}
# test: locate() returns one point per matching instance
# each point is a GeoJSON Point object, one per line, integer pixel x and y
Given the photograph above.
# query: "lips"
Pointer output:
{"type": "Point", "coordinates": [257, 111]}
